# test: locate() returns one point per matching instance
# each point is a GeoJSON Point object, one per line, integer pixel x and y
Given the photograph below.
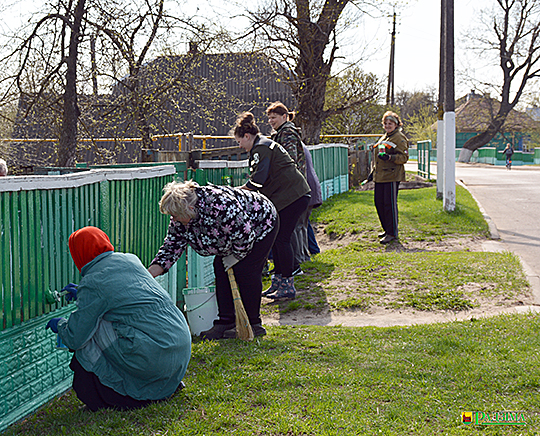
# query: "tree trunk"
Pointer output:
{"type": "Point", "coordinates": [312, 74]}
{"type": "Point", "coordinates": [312, 71]}
{"type": "Point", "coordinates": [67, 146]}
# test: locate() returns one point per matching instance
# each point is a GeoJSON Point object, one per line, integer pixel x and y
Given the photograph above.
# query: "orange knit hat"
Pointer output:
{"type": "Point", "coordinates": [88, 243]}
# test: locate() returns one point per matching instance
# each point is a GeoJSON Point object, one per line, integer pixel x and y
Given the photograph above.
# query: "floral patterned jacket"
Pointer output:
{"type": "Point", "coordinates": [229, 221]}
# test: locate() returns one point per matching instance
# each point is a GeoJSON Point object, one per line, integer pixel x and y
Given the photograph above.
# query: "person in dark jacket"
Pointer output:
{"type": "Point", "coordinates": [131, 343]}
{"type": "Point", "coordinates": [274, 174]}
{"type": "Point", "coordinates": [237, 227]}
{"type": "Point", "coordinates": [391, 155]}
{"type": "Point", "coordinates": [286, 133]}
{"type": "Point", "coordinates": [508, 152]}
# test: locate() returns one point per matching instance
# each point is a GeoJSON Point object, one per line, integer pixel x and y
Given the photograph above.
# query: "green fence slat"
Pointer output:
{"type": "Point", "coordinates": [6, 259]}
{"type": "Point", "coordinates": [44, 253]}
{"type": "Point", "coordinates": [16, 259]}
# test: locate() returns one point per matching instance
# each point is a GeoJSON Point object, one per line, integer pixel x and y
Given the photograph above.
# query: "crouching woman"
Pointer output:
{"type": "Point", "coordinates": [132, 344]}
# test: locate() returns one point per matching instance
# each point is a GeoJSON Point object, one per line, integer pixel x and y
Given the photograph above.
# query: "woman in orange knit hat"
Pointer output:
{"type": "Point", "coordinates": [131, 343]}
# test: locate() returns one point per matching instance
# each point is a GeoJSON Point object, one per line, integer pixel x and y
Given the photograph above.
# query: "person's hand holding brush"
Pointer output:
{"type": "Point", "coordinates": [70, 291]}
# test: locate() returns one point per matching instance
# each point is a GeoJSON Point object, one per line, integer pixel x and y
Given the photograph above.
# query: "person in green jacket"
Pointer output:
{"type": "Point", "coordinates": [391, 155]}
{"type": "Point", "coordinates": [275, 175]}
{"type": "Point", "coordinates": [131, 343]}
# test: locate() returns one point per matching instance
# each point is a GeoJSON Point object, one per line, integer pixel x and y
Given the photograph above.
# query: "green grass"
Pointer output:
{"type": "Point", "coordinates": [351, 278]}
{"type": "Point", "coordinates": [308, 380]}
{"type": "Point", "coordinates": [338, 381]}
{"type": "Point", "coordinates": [421, 215]}
{"type": "Point", "coordinates": [364, 274]}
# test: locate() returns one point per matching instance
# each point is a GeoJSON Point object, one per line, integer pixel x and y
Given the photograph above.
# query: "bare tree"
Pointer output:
{"type": "Point", "coordinates": [47, 68]}
{"type": "Point", "coordinates": [516, 31]}
{"type": "Point", "coordinates": [144, 88]}
{"type": "Point", "coordinates": [132, 32]}
{"type": "Point", "coordinates": [302, 35]}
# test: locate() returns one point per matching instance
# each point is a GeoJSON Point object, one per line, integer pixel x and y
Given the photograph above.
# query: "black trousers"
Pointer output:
{"type": "Point", "coordinates": [98, 396]}
{"type": "Point", "coordinates": [248, 275]}
{"type": "Point", "coordinates": [386, 204]}
{"type": "Point", "coordinates": [282, 251]}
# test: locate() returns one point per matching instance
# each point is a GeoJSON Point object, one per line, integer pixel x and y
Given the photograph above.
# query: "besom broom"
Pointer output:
{"type": "Point", "coordinates": [243, 327]}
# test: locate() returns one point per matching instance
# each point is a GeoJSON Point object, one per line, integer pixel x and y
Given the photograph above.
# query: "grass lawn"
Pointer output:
{"type": "Point", "coordinates": [301, 380]}
{"type": "Point", "coordinates": [364, 274]}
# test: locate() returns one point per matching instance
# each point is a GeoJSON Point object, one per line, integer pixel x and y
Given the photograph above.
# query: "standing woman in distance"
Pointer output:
{"type": "Point", "coordinates": [391, 154]}
{"type": "Point", "coordinates": [286, 133]}
{"type": "Point", "coordinates": [274, 174]}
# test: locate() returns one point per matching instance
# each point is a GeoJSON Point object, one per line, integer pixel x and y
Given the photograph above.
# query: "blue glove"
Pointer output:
{"type": "Point", "coordinates": [384, 156]}
{"type": "Point", "coordinates": [70, 291]}
{"type": "Point", "coordinates": [53, 324]}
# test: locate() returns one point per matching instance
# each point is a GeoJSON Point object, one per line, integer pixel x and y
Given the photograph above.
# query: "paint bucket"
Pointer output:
{"type": "Point", "coordinates": [201, 308]}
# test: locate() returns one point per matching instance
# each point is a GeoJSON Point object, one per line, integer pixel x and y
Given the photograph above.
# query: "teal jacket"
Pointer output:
{"type": "Point", "coordinates": [127, 330]}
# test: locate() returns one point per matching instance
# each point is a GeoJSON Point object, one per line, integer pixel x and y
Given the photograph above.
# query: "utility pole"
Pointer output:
{"type": "Point", "coordinates": [440, 111]}
{"type": "Point", "coordinates": [449, 117]}
{"type": "Point", "coordinates": [390, 89]}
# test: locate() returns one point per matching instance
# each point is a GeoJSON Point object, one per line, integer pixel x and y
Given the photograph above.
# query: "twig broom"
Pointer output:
{"type": "Point", "coordinates": [243, 327]}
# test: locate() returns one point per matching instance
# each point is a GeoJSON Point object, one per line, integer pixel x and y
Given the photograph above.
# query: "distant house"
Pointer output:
{"type": "Point", "coordinates": [210, 90]}
{"type": "Point", "coordinates": [473, 113]}
{"type": "Point", "coordinates": [196, 92]}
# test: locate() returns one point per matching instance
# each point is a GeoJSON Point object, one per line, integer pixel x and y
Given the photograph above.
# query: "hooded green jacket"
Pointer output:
{"type": "Point", "coordinates": [127, 330]}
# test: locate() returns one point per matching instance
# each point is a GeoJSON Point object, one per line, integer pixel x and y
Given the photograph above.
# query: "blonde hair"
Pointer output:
{"type": "Point", "coordinates": [392, 116]}
{"type": "Point", "coordinates": [179, 199]}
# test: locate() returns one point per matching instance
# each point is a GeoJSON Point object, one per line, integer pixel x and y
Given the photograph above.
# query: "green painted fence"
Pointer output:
{"type": "Point", "coordinates": [331, 163]}
{"type": "Point", "coordinates": [37, 215]}
{"type": "Point", "coordinates": [424, 157]}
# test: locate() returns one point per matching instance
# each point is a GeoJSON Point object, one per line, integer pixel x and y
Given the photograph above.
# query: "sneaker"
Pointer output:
{"type": "Point", "coordinates": [387, 239]}
{"type": "Point", "coordinates": [276, 280]}
{"type": "Point", "coordinates": [285, 291]}
{"type": "Point", "coordinates": [216, 332]}
{"type": "Point", "coordinates": [258, 330]}
{"type": "Point", "coordinates": [381, 235]}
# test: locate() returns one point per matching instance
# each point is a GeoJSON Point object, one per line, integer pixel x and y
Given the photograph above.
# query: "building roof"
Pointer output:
{"type": "Point", "coordinates": [474, 112]}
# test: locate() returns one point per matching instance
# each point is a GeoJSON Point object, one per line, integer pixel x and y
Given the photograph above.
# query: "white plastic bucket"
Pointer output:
{"type": "Point", "coordinates": [201, 308]}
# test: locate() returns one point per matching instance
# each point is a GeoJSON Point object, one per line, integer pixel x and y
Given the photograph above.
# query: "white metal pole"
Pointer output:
{"type": "Point", "coordinates": [449, 193]}
{"type": "Point", "coordinates": [440, 158]}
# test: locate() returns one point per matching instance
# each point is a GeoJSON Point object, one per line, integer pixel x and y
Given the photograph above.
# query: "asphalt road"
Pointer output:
{"type": "Point", "coordinates": [511, 200]}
